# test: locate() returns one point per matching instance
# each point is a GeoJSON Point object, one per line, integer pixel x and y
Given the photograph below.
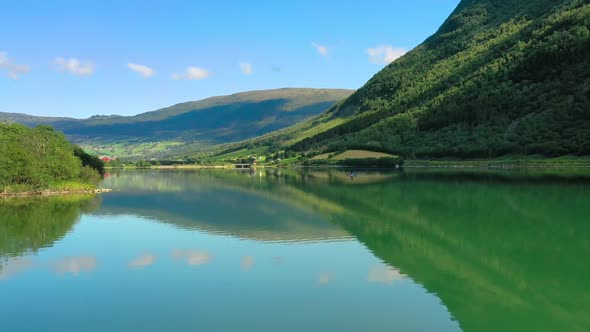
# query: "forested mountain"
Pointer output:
{"type": "Point", "coordinates": [499, 77]}
{"type": "Point", "coordinates": [210, 121]}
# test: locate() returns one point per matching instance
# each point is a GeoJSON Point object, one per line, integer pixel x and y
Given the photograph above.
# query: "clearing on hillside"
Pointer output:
{"type": "Point", "coordinates": [354, 154]}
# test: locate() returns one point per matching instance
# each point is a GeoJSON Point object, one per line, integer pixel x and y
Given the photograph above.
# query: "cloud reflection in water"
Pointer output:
{"type": "Point", "coordinates": [192, 257]}
{"type": "Point", "coordinates": [142, 261]}
{"type": "Point", "coordinates": [67, 265]}
{"type": "Point", "coordinates": [325, 278]}
{"type": "Point", "coordinates": [248, 262]}
{"type": "Point", "coordinates": [74, 265]}
{"type": "Point", "coordinates": [13, 266]}
{"type": "Point", "coordinates": [385, 274]}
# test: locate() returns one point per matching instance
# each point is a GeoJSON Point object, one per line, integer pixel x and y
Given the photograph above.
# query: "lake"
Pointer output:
{"type": "Point", "coordinates": [277, 250]}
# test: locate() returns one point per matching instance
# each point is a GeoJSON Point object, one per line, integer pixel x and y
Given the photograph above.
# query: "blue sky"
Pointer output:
{"type": "Point", "coordinates": [81, 58]}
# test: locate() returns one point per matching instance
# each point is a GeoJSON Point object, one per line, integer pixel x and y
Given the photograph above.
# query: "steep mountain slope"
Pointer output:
{"type": "Point", "coordinates": [209, 121]}
{"type": "Point", "coordinates": [499, 77]}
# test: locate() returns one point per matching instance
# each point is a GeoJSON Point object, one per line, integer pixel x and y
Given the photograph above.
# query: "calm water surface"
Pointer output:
{"type": "Point", "coordinates": [271, 250]}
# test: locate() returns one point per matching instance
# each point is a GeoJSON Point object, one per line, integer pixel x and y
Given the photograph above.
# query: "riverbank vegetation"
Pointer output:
{"type": "Point", "coordinates": [40, 159]}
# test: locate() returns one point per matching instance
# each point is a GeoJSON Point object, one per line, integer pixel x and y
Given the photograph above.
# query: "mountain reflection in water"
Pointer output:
{"type": "Point", "coordinates": [500, 250]}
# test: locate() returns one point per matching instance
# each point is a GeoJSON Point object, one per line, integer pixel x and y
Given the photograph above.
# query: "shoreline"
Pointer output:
{"type": "Point", "coordinates": [169, 167]}
{"type": "Point", "coordinates": [49, 192]}
{"type": "Point", "coordinates": [408, 165]}
{"type": "Point", "coordinates": [497, 164]}
{"type": "Point", "coordinates": [500, 163]}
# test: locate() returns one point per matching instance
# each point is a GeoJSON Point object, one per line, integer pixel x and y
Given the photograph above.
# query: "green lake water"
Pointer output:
{"type": "Point", "coordinates": [274, 250]}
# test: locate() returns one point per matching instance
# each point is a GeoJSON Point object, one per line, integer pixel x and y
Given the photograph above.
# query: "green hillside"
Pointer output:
{"type": "Point", "coordinates": [206, 122]}
{"type": "Point", "coordinates": [499, 77]}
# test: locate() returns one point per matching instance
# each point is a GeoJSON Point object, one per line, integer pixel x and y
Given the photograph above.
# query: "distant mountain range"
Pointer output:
{"type": "Point", "coordinates": [210, 121]}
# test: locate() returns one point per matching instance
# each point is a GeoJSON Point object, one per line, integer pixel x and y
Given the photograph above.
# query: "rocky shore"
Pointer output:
{"type": "Point", "coordinates": [53, 192]}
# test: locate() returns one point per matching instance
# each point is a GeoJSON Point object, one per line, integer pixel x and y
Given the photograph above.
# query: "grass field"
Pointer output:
{"type": "Point", "coordinates": [243, 153]}
{"type": "Point", "coordinates": [313, 130]}
{"type": "Point", "coordinates": [129, 149]}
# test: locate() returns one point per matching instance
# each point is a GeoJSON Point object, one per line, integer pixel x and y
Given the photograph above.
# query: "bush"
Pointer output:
{"type": "Point", "coordinates": [90, 175]}
{"type": "Point", "coordinates": [38, 158]}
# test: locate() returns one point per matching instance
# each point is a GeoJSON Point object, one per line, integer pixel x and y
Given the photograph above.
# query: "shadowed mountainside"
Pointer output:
{"type": "Point", "coordinates": [210, 121]}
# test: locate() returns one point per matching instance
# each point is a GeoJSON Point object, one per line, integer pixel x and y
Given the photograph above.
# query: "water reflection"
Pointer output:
{"type": "Point", "coordinates": [247, 262]}
{"type": "Point", "coordinates": [501, 251]}
{"type": "Point", "coordinates": [30, 224]}
{"type": "Point", "coordinates": [192, 257]}
{"type": "Point", "coordinates": [63, 266]}
{"type": "Point", "coordinates": [204, 202]}
{"type": "Point", "coordinates": [13, 266]}
{"type": "Point", "coordinates": [74, 265]}
{"type": "Point", "coordinates": [143, 261]}
{"type": "Point", "coordinates": [385, 274]}
{"type": "Point", "coordinates": [324, 278]}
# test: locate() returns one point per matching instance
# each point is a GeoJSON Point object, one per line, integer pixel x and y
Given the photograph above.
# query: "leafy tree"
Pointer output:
{"type": "Point", "coordinates": [39, 158]}
{"type": "Point", "coordinates": [89, 160]}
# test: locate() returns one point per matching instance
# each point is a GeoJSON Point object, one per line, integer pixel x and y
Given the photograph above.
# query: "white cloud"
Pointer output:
{"type": "Point", "coordinates": [192, 73]}
{"type": "Point", "coordinates": [246, 68]}
{"type": "Point", "coordinates": [322, 49]}
{"type": "Point", "coordinates": [385, 54]}
{"type": "Point", "coordinates": [74, 66]}
{"type": "Point", "coordinates": [143, 71]}
{"type": "Point", "coordinates": [13, 70]}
